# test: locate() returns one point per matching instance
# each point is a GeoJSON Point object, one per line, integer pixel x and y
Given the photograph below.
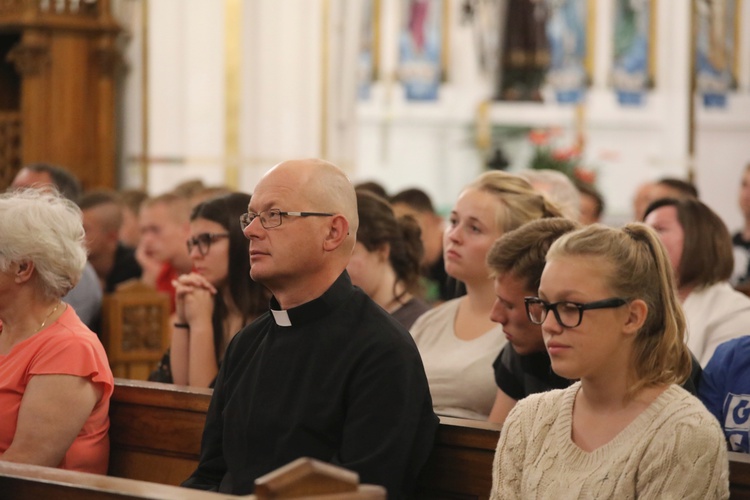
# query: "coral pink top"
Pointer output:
{"type": "Point", "coordinates": [66, 347]}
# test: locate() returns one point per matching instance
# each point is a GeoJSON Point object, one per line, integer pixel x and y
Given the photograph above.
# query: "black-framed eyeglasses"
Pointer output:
{"type": "Point", "coordinates": [568, 314]}
{"type": "Point", "coordinates": [203, 242]}
{"type": "Point", "coordinates": [272, 218]}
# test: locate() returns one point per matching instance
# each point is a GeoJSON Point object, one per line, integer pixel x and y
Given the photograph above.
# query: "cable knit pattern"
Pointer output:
{"type": "Point", "coordinates": [674, 449]}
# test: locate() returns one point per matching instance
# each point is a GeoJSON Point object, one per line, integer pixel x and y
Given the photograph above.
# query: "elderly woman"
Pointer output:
{"type": "Point", "coordinates": [55, 382]}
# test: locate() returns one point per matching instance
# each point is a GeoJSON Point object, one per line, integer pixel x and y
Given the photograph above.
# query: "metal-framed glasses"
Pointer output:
{"type": "Point", "coordinates": [272, 218]}
{"type": "Point", "coordinates": [568, 314]}
{"type": "Point", "coordinates": [203, 242]}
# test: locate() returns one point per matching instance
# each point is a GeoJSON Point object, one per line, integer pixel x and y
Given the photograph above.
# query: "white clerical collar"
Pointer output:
{"type": "Point", "coordinates": [281, 317]}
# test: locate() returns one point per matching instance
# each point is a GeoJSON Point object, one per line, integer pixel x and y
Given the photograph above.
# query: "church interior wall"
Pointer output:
{"type": "Point", "coordinates": [285, 111]}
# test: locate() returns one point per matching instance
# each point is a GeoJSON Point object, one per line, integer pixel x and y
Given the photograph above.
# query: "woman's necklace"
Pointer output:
{"type": "Point", "coordinates": [48, 317]}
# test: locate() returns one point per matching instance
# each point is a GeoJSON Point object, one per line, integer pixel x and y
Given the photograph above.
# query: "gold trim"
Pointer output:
{"type": "Point", "coordinates": [324, 63]}
{"type": "Point", "coordinates": [693, 47]}
{"type": "Point", "coordinates": [202, 160]}
{"type": "Point", "coordinates": [737, 45]}
{"type": "Point", "coordinates": [483, 126]}
{"type": "Point", "coordinates": [444, 42]}
{"type": "Point", "coordinates": [588, 62]}
{"type": "Point", "coordinates": [377, 14]}
{"type": "Point", "coordinates": [143, 164]}
{"type": "Point", "coordinates": [232, 65]}
{"type": "Point", "coordinates": [652, 34]}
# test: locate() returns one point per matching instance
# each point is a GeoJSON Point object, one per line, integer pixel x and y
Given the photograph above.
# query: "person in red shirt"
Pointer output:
{"type": "Point", "coordinates": [165, 226]}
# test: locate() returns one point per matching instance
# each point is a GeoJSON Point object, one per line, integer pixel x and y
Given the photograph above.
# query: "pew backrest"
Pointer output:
{"type": "Point", "coordinates": [135, 329]}
{"type": "Point", "coordinates": [156, 431]}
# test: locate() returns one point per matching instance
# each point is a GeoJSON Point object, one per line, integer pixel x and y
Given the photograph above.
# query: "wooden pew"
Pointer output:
{"type": "Point", "coordinates": [739, 475]}
{"type": "Point", "coordinates": [157, 427]}
{"type": "Point", "coordinates": [302, 479]}
{"type": "Point", "coordinates": [460, 465]}
{"type": "Point", "coordinates": [135, 329]}
{"type": "Point", "coordinates": [155, 430]}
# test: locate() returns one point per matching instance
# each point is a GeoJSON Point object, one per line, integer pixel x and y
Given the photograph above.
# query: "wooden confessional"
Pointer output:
{"type": "Point", "coordinates": [58, 65]}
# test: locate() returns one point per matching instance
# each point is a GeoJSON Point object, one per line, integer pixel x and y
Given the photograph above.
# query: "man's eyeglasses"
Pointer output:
{"type": "Point", "coordinates": [203, 242]}
{"type": "Point", "coordinates": [568, 314]}
{"type": "Point", "coordinates": [272, 218]}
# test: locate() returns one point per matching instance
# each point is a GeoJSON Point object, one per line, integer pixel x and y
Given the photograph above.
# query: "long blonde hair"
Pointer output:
{"type": "Point", "coordinates": [639, 268]}
{"type": "Point", "coordinates": [519, 202]}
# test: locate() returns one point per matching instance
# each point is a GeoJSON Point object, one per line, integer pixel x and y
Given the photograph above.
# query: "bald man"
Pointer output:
{"type": "Point", "coordinates": [326, 373]}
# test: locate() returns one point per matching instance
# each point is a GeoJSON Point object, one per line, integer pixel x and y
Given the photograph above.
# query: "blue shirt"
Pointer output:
{"type": "Point", "coordinates": [725, 390]}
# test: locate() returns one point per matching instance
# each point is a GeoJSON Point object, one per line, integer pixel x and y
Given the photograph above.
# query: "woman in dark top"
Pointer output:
{"type": "Point", "coordinates": [385, 261]}
{"type": "Point", "coordinates": [218, 298]}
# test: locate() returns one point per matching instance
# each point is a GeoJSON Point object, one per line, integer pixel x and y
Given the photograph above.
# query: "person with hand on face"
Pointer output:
{"type": "Point", "coordinates": [625, 427]}
{"type": "Point", "coordinates": [218, 298]}
{"type": "Point", "coordinates": [55, 381]}
{"type": "Point", "coordinates": [457, 339]}
{"type": "Point", "coordinates": [385, 260]}
{"type": "Point", "coordinates": [327, 373]}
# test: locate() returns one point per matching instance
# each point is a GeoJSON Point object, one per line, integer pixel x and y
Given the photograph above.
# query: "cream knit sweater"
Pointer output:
{"type": "Point", "coordinates": [674, 449]}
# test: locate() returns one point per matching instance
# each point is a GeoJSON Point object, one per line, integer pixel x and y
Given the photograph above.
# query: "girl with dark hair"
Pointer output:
{"type": "Point", "coordinates": [218, 298]}
{"type": "Point", "coordinates": [386, 257]}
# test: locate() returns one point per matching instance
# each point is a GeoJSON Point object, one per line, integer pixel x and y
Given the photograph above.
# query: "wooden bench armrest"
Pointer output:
{"type": "Point", "coordinates": [23, 481]}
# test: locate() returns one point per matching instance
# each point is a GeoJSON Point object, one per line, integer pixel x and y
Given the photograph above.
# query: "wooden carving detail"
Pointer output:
{"type": "Point", "coordinates": [10, 148]}
{"type": "Point", "coordinates": [108, 59]}
{"type": "Point", "coordinates": [29, 59]}
{"type": "Point", "coordinates": [141, 327]}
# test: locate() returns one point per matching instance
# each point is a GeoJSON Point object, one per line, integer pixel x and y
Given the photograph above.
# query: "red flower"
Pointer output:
{"type": "Point", "coordinates": [539, 137]}
{"type": "Point", "coordinates": [564, 154]}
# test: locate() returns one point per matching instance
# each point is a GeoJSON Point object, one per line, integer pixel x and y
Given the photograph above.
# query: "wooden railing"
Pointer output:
{"type": "Point", "coordinates": [302, 479]}
{"type": "Point", "coordinates": [156, 430]}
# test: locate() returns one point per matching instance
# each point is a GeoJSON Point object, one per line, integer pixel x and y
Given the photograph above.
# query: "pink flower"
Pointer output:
{"type": "Point", "coordinates": [539, 137]}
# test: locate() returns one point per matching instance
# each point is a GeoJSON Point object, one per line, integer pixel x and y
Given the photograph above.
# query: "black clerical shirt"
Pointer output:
{"type": "Point", "coordinates": [341, 382]}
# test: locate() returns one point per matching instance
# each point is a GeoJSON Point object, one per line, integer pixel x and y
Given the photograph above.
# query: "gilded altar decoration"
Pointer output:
{"type": "Point", "coordinates": [30, 59]}
{"type": "Point", "coordinates": [368, 57]}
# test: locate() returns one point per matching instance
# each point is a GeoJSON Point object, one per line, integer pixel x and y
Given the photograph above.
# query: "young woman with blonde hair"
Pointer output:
{"type": "Point", "coordinates": [611, 319]}
{"type": "Point", "coordinates": [457, 340]}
